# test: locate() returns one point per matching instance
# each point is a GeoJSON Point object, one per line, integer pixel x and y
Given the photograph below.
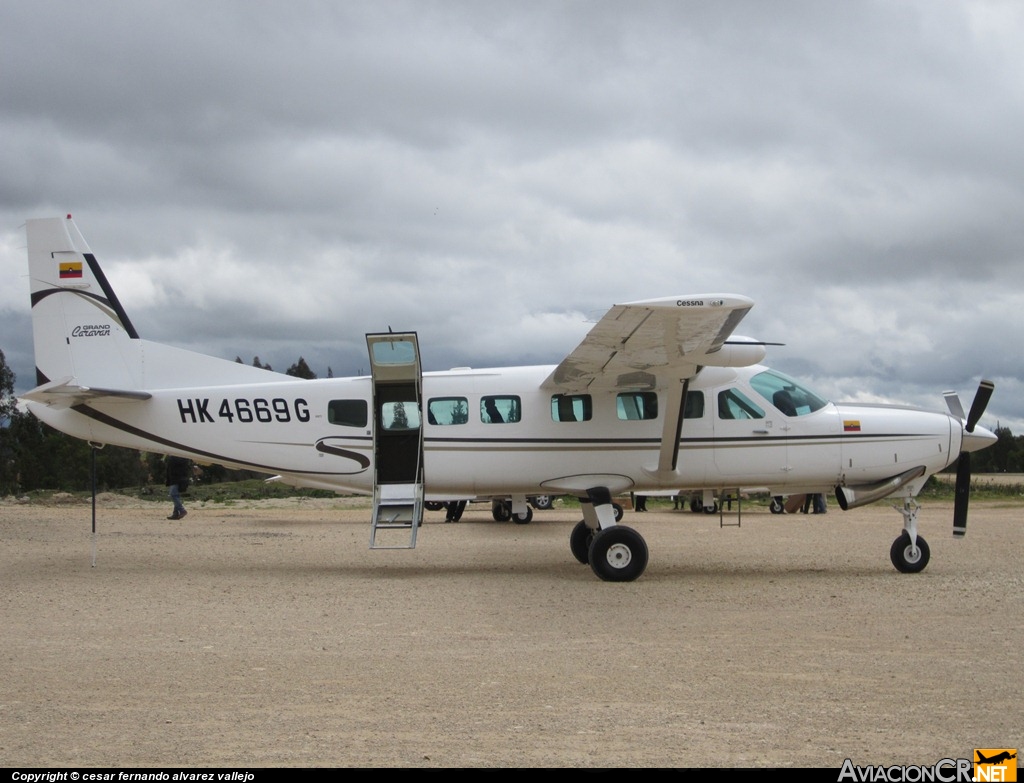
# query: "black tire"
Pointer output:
{"type": "Point", "coordinates": [695, 505]}
{"type": "Point", "coordinates": [712, 509]}
{"type": "Point", "coordinates": [524, 519]}
{"type": "Point", "coordinates": [619, 513]}
{"type": "Point", "coordinates": [901, 556]}
{"type": "Point", "coordinates": [579, 542]}
{"type": "Point", "coordinates": [543, 502]}
{"type": "Point", "coordinates": [777, 506]}
{"type": "Point", "coordinates": [433, 505]}
{"type": "Point", "coordinates": [501, 510]}
{"type": "Point", "coordinates": [618, 554]}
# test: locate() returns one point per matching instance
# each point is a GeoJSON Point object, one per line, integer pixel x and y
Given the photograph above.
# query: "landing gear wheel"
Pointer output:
{"type": "Point", "coordinates": [618, 554]}
{"type": "Point", "coordinates": [543, 502]}
{"type": "Point", "coordinates": [579, 542]}
{"type": "Point", "coordinates": [905, 559]}
{"type": "Point", "coordinates": [433, 505]}
{"type": "Point", "coordinates": [695, 505]}
{"type": "Point", "coordinates": [712, 509]}
{"type": "Point", "coordinates": [777, 506]}
{"type": "Point", "coordinates": [618, 512]}
{"type": "Point", "coordinates": [501, 511]}
{"type": "Point", "coordinates": [525, 518]}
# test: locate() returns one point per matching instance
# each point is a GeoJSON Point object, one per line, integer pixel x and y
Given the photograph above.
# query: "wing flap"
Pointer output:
{"type": "Point", "coordinates": [639, 344]}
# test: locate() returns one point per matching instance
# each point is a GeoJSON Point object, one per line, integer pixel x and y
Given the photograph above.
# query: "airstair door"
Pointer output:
{"type": "Point", "coordinates": [397, 439]}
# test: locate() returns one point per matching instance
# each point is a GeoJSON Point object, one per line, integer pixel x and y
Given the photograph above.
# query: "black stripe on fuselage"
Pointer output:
{"type": "Point", "coordinates": [110, 421]}
{"type": "Point", "coordinates": [711, 441]}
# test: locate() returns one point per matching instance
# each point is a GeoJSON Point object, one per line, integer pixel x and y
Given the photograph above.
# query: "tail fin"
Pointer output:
{"type": "Point", "coordinates": [83, 336]}
{"type": "Point", "coordinates": [78, 324]}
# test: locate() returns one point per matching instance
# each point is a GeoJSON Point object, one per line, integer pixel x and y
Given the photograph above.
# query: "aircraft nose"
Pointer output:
{"type": "Point", "coordinates": [981, 438]}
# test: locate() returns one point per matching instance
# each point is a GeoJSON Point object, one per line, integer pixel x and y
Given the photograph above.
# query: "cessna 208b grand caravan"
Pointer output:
{"type": "Point", "coordinates": [659, 395]}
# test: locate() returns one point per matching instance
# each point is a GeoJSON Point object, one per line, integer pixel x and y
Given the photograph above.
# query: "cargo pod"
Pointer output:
{"type": "Point", "coordinates": [397, 437]}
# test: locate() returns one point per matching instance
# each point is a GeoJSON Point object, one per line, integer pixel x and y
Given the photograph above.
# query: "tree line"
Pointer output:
{"type": "Point", "coordinates": [35, 456]}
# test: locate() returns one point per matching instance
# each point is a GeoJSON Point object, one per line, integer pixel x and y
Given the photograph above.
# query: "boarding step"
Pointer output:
{"type": "Point", "coordinates": [397, 509]}
{"type": "Point", "coordinates": [725, 501]}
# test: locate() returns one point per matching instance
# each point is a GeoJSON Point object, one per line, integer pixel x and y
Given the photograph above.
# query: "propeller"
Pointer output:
{"type": "Point", "coordinates": [962, 493]}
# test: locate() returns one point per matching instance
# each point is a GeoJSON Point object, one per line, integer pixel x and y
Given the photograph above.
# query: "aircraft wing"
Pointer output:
{"type": "Point", "coordinates": [636, 343]}
{"type": "Point", "coordinates": [64, 393]}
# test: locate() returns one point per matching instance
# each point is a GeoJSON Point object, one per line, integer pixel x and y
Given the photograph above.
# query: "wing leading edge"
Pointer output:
{"type": "Point", "coordinates": [641, 344]}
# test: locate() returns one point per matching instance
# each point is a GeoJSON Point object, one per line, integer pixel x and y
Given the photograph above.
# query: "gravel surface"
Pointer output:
{"type": "Point", "coordinates": [267, 634]}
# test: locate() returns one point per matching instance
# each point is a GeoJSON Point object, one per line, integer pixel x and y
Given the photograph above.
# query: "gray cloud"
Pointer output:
{"type": "Point", "coordinates": [262, 179]}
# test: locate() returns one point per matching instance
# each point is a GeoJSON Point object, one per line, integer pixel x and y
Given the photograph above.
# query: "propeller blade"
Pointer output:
{"type": "Point", "coordinates": [985, 389]}
{"type": "Point", "coordinates": [962, 495]}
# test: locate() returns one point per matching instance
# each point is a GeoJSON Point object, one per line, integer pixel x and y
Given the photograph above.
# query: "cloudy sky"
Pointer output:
{"type": "Point", "coordinates": [277, 179]}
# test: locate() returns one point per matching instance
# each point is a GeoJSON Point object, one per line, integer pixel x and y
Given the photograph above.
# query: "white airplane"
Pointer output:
{"type": "Point", "coordinates": [659, 395]}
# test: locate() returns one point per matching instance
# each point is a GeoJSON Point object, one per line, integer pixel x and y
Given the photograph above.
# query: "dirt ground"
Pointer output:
{"type": "Point", "coordinates": [269, 635]}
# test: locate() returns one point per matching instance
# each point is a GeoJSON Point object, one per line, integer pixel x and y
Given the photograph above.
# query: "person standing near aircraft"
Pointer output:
{"type": "Point", "coordinates": [177, 481]}
{"type": "Point", "coordinates": [455, 509]}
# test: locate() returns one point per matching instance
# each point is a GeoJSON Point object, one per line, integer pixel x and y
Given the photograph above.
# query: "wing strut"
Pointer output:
{"type": "Point", "coordinates": [675, 405]}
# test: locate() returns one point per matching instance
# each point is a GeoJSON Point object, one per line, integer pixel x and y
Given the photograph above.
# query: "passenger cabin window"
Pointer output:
{"type": "Point", "coordinates": [787, 395]}
{"type": "Point", "coordinates": [448, 410]}
{"type": "Point", "coordinates": [694, 407]}
{"type": "Point", "coordinates": [500, 410]}
{"type": "Point", "coordinates": [733, 404]}
{"type": "Point", "coordinates": [571, 407]}
{"type": "Point", "coordinates": [634, 406]}
{"type": "Point", "coordinates": [401, 415]}
{"type": "Point", "coordinates": [348, 413]}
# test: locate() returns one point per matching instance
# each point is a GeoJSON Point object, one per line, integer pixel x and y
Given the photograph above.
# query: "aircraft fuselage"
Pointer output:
{"type": "Point", "coordinates": [320, 434]}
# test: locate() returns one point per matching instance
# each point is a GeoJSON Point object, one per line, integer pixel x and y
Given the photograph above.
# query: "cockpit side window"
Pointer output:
{"type": "Point", "coordinates": [734, 404]}
{"type": "Point", "coordinates": [790, 397]}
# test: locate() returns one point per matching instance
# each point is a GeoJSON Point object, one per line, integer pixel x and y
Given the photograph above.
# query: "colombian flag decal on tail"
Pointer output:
{"type": "Point", "coordinates": [851, 426]}
{"type": "Point", "coordinates": [69, 269]}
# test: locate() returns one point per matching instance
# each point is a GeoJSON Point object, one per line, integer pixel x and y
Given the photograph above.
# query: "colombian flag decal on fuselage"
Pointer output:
{"type": "Point", "coordinates": [851, 426]}
{"type": "Point", "coordinates": [69, 269]}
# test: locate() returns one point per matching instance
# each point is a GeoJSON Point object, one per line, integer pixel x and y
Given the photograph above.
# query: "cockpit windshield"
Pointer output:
{"type": "Point", "coordinates": [787, 395]}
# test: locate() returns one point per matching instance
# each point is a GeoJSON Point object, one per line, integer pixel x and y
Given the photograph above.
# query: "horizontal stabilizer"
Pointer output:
{"type": "Point", "coordinates": [63, 393]}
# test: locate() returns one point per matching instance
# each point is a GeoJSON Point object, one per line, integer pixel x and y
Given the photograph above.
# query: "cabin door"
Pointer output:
{"type": "Point", "coordinates": [397, 434]}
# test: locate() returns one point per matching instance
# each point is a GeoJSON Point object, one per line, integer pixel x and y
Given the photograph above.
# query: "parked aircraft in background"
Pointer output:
{"type": "Point", "coordinates": [659, 395]}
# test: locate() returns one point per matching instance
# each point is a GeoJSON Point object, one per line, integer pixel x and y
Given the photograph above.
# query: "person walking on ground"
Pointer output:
{"type": "Point", "coordinates": [177, 482]}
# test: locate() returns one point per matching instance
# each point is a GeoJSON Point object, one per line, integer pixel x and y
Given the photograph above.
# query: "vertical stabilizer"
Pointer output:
{"type": "Point", "coordinates": [80, 330]}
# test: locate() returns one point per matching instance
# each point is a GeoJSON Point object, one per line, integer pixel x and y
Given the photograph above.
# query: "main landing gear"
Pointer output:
{"type": "Point", "coordinates": [909, 552]}
{"type": "Point", "coordinates": [616, 553]}
{"type": "Point", "coordinates": [501, 511]}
